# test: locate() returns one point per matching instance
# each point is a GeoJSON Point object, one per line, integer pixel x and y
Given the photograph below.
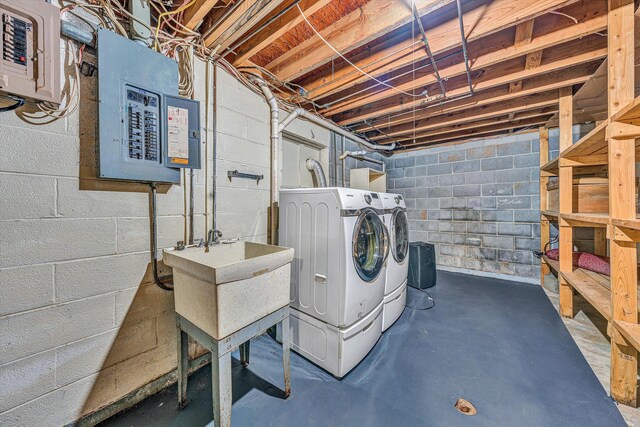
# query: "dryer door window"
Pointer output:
{"type": "Point", "coordinates": [370, 245]}
{"type": "Point", "coordinates": [400, 240]}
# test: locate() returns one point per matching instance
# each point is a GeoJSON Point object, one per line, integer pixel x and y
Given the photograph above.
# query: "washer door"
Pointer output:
{"type": "Point", "coordinates": [370, 245]}
{"type": "Point", "coordinates": [400, 235]}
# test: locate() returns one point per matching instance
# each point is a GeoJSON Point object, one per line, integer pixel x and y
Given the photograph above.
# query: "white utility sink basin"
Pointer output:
{"type": "Point", "coordinates": [231, 286]}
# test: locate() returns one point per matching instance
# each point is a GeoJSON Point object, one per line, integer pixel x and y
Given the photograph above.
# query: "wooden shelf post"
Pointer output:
{"type": "Point", "coordinates": [566, 203]}
{"type": "Point", "coordinates": [544, 222]}
{"type": "Point", "coordinates": [624, 303]}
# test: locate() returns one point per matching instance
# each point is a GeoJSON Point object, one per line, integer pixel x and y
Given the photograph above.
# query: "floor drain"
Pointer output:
{"type": "Point", "coordinates": [465, 407]}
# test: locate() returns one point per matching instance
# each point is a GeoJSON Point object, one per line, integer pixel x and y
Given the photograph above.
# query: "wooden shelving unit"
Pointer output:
{"type": "Point", "coordinates": [611, 147]}
{"type": "Point", "coordinates": [592, 288]}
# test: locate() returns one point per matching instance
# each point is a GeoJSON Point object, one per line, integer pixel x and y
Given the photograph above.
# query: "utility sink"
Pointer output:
{"type": "Point", "coordinates": [230, 286]}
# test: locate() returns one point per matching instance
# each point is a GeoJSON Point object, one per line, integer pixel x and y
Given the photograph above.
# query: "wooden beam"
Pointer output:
{"type": "Point", "coordinates": [479, 131]}
{"type": "Point", "coordinates": [472, 125]}
{"type": "Point", "coordinates": [194, 15]}
{"type": "Point", "coordinates": [480, 20]}
{"type": "Point", "coordinates": [624, 278]}
{"type": "Point", "coordinates": [237, 23]}
{"type": "Point", "coordinates": [459, 140]}
{"type": "Point", "coordinates": [524, 33]}
{"type": "Point", "coordinates": [540, 84]}
{"type": "Point", "coordinates": [495, 76]}
{"type": "Point", "coordinates": [531, 102]}
{"type": "Point", "coordinates": [566, 203]}
{"type": "Point", "coordinates": [277, 29]}
{"type": "Point", "coordinates": [544, 222]}
{"type": "Point", "coordinates": [560, 57]}
{"type": "Point", "coordinates": [372, 20]}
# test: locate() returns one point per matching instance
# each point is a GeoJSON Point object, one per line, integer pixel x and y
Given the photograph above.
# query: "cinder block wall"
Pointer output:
{"type": "Point", "coordinates": [478, 202]}
{"type": "Point", "coordinates": [81, 325]}
{"type": "Point", "coordinates": [335, 164]}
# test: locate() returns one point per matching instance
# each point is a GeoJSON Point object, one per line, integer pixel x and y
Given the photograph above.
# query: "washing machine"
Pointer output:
{"type": "Point", "coordinates": [397, 265]}
{"type": "Point", "coordinates": [337, 275]}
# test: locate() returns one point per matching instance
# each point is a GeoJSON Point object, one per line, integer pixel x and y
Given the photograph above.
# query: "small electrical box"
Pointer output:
{"type": "Point", "coordinates": [30, 61]}
{"type": "Point", "coordinates": [146, 131]}
{"type": "Point", "coordinates": [182, 127]}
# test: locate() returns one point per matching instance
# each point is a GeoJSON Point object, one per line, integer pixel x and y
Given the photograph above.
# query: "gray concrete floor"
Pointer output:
{"type": "Point", "coordinates": [499, 344]}
{"type": "Point", "coordinates": [589, 330]}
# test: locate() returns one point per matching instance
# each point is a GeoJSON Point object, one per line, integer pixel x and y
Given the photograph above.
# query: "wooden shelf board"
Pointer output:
{"type": "Point", "coordinates": [631, 332]}
{"type": "Point", "coordinates": [551, 167]}
{"type": "Point", "coordinates": [550, 214]}
{"type": "Point", "coordinates": [592, 288]}
{"type": "Point", "coordinates": [632, 224]}
{"type": "Point", "coordinates": [589, 219]}
{"type": "Point", "coordinates": [555, 265]}
{"type": "Point", "coordinates": [629, 114]}
{"type": "Point", "coordinates": [593, 143]}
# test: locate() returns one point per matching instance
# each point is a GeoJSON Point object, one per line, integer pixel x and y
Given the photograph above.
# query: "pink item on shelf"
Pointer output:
{"type": "Point", "coordinates": [585, 260]}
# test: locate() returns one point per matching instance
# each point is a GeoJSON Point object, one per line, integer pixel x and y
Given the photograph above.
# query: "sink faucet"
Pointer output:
{"type": "Point", "coordinates": [213, 238]}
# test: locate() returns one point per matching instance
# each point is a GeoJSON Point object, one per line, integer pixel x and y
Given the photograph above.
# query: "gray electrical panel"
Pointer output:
{"type": "Point", "coordinates": [137, 91]}
{"type": "Point", "coordinates": [30, 59]}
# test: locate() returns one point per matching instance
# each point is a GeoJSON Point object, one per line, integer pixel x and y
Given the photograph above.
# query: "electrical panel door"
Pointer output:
{"type": "Point", "coordinates": [30, 60]}
{"type": "Point", "coordinates": [182, 127]}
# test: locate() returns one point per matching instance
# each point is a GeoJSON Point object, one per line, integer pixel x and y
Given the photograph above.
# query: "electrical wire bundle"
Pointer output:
{"type": "Point", "coordinates": [171, 38]}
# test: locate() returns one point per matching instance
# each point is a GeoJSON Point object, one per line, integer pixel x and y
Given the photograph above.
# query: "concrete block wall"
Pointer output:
{"type": "Point", "coordinates": [338, 142]}
{"type": "Point", "coordinates": [478, 202]}
{"type": "Point", "coordinates": [81, 323]}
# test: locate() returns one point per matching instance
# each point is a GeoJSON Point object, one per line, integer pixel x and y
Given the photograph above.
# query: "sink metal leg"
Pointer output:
{"type": "Point", "coordinates": [286, 359]}
{"type": "Point", "coordinates": [245, 349]}
{"type": "Point", "coordinates": [221, 382]}
{"type": "Point", "coordinates": [183, 367]}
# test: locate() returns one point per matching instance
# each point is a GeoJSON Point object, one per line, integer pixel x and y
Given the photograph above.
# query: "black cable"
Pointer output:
{"type": "Point", "coordinates": [538, 254]}
{"type": "Point", "coordinates": [433, 302]}
{"type": "Point", "coordinates": [19, 103]}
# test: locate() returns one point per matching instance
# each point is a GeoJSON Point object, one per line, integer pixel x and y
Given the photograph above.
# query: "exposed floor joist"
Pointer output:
{"type": "Point", "coordinates": [521, 52]}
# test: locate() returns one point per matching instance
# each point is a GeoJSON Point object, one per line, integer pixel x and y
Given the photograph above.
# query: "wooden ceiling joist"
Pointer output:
{"type": "Point", "coordinates": [482, 131]}
{"type": "Point", "coordinates": [374, 19]}
{"type": "Point", "coordinates": [521, 52]}
{"type": "Point", "coordinates": [487, 79]}
{"type": "Point", "coordinates": [476, 124]}
{"type": "Point", "coordinates": [276, 29]}
{"type": "Point", "coordinates": [481, 19]}
{"type": "Point", "coordinates": [542, 84]}
{"type": "Point", "coordinates": [523, 103]}
{"type": "Point", "coordinates": [491, 79]}
{"type": "Point", "coordinates": [195, 13]}
{"type": "Point", "coordinates": [524, 34]}
{"type": "Point", "coordinates": [237, 23]}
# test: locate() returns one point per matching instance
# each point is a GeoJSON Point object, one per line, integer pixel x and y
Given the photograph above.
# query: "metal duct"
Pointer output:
{"type": "Point", "coordinates": [315, 166]}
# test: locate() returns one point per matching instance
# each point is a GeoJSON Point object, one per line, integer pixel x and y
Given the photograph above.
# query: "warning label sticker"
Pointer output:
{"type": "Point", "coordinates": [178, 135]}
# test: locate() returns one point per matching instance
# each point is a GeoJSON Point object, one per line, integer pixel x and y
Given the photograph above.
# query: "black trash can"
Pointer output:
{"type": "Point", "coordinates": [422, 265]}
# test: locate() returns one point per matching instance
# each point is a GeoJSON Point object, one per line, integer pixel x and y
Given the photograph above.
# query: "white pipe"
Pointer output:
{"type": "Point", "coordinates": [301, 112]}
{"type": "Point", "coordinates": [359, 155]}
{"type": "Point", "coordinates": [352, 153]}
{"type": "Point", "coordinates": [275, 112]}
